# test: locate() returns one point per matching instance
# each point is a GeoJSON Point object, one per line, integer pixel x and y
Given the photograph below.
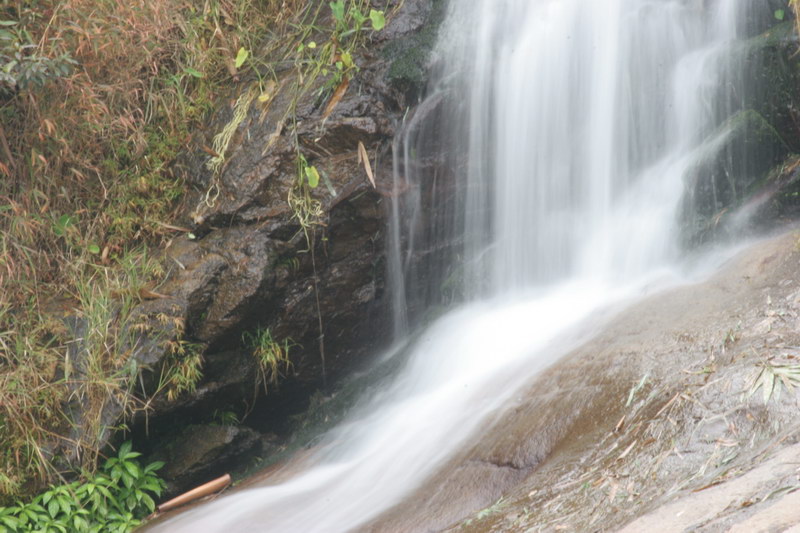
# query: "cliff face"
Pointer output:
{"type": "Point", "coordinates": [264, 252]}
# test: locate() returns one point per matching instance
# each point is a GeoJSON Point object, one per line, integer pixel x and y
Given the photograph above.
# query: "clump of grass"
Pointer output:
{"type": "Point", "coordinates": [50, 363]}
{"type": "Point", "coordinates": [271, 354]}
{"type": "Point", "coordinates": [184, 370]}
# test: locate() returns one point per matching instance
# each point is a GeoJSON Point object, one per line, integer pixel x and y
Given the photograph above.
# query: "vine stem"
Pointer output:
{"type": "Point", "coordinates": [319, 310]}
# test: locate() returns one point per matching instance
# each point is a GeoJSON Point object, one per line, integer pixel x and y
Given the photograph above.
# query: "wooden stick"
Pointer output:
{"type": "Point", "coordinates": [203, 490]}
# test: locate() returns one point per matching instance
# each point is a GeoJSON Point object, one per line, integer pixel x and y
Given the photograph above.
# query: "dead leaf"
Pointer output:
{"type": "Point", "coordinates": [147, 294]}
{"type": "Point", "coordinates": [614, 489]}
{"type": "Point", "coordinates": [209, 151]}
{"type": "Point", "coordinates": [627, 451]}
{"type": "Point", "coordinates": [336, 98]}
{"type": "Point", "coordinates": [231, 66]}
{"type": "Point", "coordinates": [363, 157]}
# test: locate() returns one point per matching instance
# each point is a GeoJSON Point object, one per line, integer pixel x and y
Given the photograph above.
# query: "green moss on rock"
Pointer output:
{"type": "Point", "coordinates": [409, 55]}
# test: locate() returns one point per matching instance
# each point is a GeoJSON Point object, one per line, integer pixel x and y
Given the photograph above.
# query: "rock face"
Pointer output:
{"type": "Point", "coordinates": [747, 175]}
{"type": "Point", "coordinates": [250, 263]}
{"type": "Point", "coordinates": [214, 448]}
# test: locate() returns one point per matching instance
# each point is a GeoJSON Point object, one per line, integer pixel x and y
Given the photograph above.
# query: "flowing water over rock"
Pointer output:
{"type": "Point", "coordinates": [572, 128]}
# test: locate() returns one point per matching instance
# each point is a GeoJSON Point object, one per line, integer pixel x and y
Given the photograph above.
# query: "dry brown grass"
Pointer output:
{"type": "Point", "coordinates": [86, 186]}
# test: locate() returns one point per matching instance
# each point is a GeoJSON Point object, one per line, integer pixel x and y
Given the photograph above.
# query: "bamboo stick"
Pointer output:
{"type": "Point", "coordinates": [196, 493]}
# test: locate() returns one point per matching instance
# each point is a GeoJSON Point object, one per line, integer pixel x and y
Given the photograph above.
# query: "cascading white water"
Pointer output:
{"type": "Point", "coordinates": [581, 121]}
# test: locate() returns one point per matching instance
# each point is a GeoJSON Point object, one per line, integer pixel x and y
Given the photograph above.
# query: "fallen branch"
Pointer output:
{"type": "Point", "coordinates": [203, 490]}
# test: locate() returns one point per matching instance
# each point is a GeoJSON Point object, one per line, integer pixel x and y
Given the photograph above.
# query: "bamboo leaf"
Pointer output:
{"type": "Point", "coordinates": [336, 97]}
{"type": "Point", "coordinates": [193, 72]}
{"type": "Point", "coordinates": [768, 385]}
{"type": "Point", "coordinates": [363, 157]}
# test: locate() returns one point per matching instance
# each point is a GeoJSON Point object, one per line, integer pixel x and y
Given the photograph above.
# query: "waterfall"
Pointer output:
{"type": "Point", "coordinates": [539, 182]}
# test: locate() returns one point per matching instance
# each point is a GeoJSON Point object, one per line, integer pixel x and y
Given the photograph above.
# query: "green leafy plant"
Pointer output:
{"type": "Point", "coordinates": [115, 499]}
{"type": "Point", "coordinates": [22, 64]}
{"type": "Point", "coordinates": [225, 418]}
{"type": "Point", "coordinates": [352, 21]}
{"type": "Point", "coordinates": [307, 210]}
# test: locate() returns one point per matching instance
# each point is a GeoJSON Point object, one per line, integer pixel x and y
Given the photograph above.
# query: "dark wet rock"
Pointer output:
{"type": "Point", "coordinates": [742, 180]}
{"type": "Point", "coordinates": [249, 263]}
{"type": "Point", "coordinates": [409, 50]}
{"type": "Point", "coordinates": [734, 171]}
{"type": "Point", "coordinates": [198, 453]}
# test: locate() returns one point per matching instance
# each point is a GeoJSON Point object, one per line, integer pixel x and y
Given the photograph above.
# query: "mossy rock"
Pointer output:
{"type": "Point", "coordinates": [734, 169]}
{"type": "Point", "coordinates": [409, 56]}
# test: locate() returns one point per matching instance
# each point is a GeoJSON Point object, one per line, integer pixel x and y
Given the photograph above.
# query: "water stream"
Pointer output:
{"type": "Point", "coordinates": [571, 128]}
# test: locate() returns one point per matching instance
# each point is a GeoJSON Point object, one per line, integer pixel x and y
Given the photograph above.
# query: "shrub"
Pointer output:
{"type": "Point", "coordinates": [115, 499]}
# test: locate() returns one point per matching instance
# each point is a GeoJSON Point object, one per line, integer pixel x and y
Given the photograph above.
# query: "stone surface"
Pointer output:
{"type": "Point", "coordinates": [577, 451]}
{"type": "Point", "coordinates": [250, 264]}
{"type": "Point", "coordinates": [198, 453]}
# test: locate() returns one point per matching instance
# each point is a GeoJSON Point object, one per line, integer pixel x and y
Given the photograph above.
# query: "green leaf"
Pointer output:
{"type": "Point", "coordinates": [313, 176]}
{"type": "Point", "coordinates": [149, 503]}
{"type": "Point", "coordinates": [65, 504]}
{"type": "Point", "coordinates": [152, 467]}
{"type": "Point", "coordinates": [132, 468]}
{"type": "Point", "coordinates": [347, 60]}
{"type": "Point", "coordinates": [241, 57]}
{"type": "Point", "coordinates": [378, 20]}
{"type": "Point", "coordinates": [337, 8]}
{"type": "Point", "coordinates": [124, 450]}
{"type": "Point", "coordinates": [193, 72]}
{"type": "Point", "coordinates": [357, 16]}
{"type": "Point", "coordinates": [63, 223]}
{"type": "Point", "coordinates": [53, 508]}
{"type": "Point", "coordinates": [93, 249]}
{"type": "Point", "coordinates": [8, 22]}
{"type": "Point", "coordinates": [80, 524]}
{"type": "Point", "coordinates": [780, 14]}
{"type": "Point", "coordinates": [10, 522]}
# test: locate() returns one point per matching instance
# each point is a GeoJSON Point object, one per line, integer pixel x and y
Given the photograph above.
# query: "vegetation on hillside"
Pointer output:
{"type": "Point", "coordinates": [97, 98]}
